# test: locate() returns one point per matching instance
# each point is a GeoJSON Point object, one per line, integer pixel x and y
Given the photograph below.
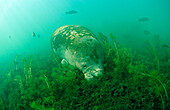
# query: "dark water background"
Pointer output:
{"type": "Point", "coordinates": [19, 18]}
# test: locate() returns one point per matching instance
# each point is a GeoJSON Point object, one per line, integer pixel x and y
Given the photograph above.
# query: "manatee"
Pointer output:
{"type": "Point", "coordinates": [79, 47]}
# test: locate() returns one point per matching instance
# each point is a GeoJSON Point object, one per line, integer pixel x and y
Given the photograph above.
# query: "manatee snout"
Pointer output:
{"type": "Point", "coordinates": [93, 72]}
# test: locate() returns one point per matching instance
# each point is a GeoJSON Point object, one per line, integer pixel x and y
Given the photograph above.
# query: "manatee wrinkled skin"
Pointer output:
{"type": "Point", "coordinates": [80, 48]}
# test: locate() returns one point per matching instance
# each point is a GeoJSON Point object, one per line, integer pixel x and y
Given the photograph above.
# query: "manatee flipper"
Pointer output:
{"type": "Point", "coordinates": [64, 62]}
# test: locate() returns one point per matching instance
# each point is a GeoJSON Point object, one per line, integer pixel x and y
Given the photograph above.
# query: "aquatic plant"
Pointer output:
{"type": "Point", "coordinates": [154, 53]}
{"type": "Point", "coordinates": [27, 69]}
{"type": "Point", "coordinates": [1, 104]}
{"type": "Point", "coordinates": [115, 45]}
{"type": "Point", "coordinates": [130, 81]}
{"type": "Point", "coordinates": [16, 64]}
{"type": "Point", "coordinates": [47, 82]}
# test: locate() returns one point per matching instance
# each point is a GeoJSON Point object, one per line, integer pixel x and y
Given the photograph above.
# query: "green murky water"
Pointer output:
{"type": "Point", "coordinates": [135, 37]}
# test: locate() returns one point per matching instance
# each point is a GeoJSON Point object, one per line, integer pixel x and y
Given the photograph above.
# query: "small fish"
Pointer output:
{"type": "Point", "coordinates": [38, 35]}
{"type": "Point", "coordinates": [33, 34]}
{"type": "Point", "coordinates": [71, 12]}
{"type": "Point", "coordinates": [165, 46]}
{"type": "Point", "coordinates": [10, 37]}
{"type": "Point", "coordinates": [143, 19]}
{"type": "Point", "coordinates": [146, 32]}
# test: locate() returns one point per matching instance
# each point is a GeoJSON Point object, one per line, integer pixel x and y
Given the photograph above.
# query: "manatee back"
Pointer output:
{"type": "Point", "coordinates": [69, 36]}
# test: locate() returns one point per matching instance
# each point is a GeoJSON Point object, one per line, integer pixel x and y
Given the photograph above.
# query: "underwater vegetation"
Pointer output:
{"type": "Point", "coordinates": [131, 81]}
